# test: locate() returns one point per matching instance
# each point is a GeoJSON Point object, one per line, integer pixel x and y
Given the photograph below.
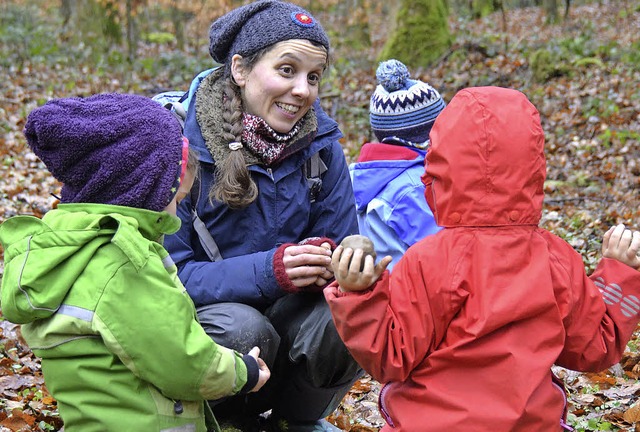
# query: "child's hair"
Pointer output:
{"type": "Point", "coordinates": [193, 164]}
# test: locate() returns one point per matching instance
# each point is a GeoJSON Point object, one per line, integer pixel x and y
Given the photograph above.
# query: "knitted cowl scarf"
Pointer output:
{"type": "Point", "coordinates": [261, 144]}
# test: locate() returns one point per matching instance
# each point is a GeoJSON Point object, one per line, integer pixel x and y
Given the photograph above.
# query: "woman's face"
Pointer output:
{"type": "Point", "coordinates": [283, 84]}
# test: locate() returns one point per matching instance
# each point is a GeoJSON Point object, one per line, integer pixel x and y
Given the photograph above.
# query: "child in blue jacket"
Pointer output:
{"type": "Point", "coordinates": [386, 177]}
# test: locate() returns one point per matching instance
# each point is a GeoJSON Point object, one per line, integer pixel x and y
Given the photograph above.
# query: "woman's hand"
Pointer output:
{"type": "Point", "coordinates": [346, 266]}
{"type": "Point", "coordinates": [308, 264]}
{"type": "Point", "coordinates": [622, 244]}
{"type": "Point", "coordinates": [264, 372]}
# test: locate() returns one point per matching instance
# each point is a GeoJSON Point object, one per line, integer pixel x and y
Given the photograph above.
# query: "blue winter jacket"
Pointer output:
{"type": "Point", "coordinates": [389, 194]}
{"type": "Point", "coordinates": [248, 238]}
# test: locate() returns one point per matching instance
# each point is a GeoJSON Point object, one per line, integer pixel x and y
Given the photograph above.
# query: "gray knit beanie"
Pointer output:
{"type": "Point", "coordinates": [111, 148]}
{"type": "Point", "coordinates": [248, 29]}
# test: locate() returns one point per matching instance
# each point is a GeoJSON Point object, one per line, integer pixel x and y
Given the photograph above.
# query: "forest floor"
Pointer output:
{"type": "Point", "coordinates": [582, 74]}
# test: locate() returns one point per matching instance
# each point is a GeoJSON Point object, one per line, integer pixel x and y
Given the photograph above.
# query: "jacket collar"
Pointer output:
{"type": "Point", "coordinates": [151, 224]}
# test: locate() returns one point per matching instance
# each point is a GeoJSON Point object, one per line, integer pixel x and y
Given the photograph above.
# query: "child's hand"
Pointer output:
{"type": "Point", "coordinates": [324, 278]}
{"type": "Point", "coordinates": [622, 244]}
{"type": "Point", "coordinates": [346, 268]}
{"type": "Point", "coordinates": [264, 373]}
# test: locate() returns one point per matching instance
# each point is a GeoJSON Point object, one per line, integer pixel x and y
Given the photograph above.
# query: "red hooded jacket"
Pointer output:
{"type": "Point", "coordinates": [466, 329]}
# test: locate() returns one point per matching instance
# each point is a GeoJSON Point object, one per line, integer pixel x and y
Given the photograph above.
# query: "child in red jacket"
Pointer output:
{"type": "Point", "coordinates": [465, 330]}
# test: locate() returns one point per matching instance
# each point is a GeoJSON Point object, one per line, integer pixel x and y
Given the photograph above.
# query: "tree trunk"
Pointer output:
{"type": "Point", "coordinates": [482, 8]}
{"type": "Point", "coordinates": [177, 18]}
{"type": "Point", "coordinates": [132, 40]}
{"type": "Point", "coordinates": [551, 9]}
{"type": "Point", "coordinates": [67, 11]}
{"type": "Point", "coordinates": [354, 23]}
{"type": "Point", "coordinates": [420, 34]}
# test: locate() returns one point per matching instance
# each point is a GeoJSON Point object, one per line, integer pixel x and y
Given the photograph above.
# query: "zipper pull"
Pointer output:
{"type": "Point", "coordinates": [177, 407]}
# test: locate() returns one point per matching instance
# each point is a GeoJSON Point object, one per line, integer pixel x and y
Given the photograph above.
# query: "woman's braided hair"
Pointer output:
{"type": "Point", "coordinates": [234, 185]}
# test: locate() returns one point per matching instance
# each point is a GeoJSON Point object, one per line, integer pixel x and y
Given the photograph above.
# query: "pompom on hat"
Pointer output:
{"type": "Point", "coordinates": [111, 148]}
{"type": "Point", "coordinates": [250, 28]}
{"type": "Point", "coordinates": [402, 109]}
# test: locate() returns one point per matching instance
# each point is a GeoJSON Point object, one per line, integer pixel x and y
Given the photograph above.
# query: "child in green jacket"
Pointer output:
{"type": "Point", "coordinates": [97, 295]}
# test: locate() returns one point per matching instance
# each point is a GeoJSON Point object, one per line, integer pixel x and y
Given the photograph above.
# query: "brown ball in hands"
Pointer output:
{"type": "Point", "coordinates": [360, 242]}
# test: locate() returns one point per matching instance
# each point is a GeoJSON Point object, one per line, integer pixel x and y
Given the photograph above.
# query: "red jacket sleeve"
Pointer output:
{"type": "Point", "coordinates": [602, 315]}
{"type": "Point", "coordinates": [390, 335]}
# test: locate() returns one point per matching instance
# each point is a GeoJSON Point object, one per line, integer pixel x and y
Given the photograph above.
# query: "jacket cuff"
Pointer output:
{"type": "Point", "coordinates": [334, 289]}
{"type": "Point", "coordinates": [253, 373]}
{"type": "Point", "coordinates": [280, 272]}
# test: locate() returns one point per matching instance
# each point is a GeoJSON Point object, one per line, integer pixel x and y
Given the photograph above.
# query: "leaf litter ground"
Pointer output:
{"type": "Point", "coordinates": [591, 114]}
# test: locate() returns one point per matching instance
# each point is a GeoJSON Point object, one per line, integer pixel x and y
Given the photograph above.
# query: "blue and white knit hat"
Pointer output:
{"type": "Point", "coordinates": [402, 108]}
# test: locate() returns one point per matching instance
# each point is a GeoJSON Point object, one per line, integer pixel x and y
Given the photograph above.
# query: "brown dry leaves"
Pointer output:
{"type": "Point", "coordinates": [592, 125]}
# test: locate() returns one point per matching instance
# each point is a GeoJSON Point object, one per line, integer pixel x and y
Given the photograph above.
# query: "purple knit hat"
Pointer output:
{"type": "Point", "coordinates": [109, 148]}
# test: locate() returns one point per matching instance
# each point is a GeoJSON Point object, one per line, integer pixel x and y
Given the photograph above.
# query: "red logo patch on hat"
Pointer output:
{"type": "Point", "coordinates": [303, 19]}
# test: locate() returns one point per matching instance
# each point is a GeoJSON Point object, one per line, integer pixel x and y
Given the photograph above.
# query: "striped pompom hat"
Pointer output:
{"type": "Point", "coordinates": [402, 109]}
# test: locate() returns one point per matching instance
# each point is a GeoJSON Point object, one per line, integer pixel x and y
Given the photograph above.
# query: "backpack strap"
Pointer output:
{"type": "Point", "coordinates": [206, 239]}
{"type": "Point", "coordinates": [313, 170]}
{"type": "Point", "coordinates": [173, 101]}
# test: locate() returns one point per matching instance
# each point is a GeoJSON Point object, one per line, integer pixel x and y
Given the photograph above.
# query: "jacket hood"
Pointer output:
{"type": "Point", "coordinates": [485, 165]}
{"type": "Point", "coordinates": [44, 257]}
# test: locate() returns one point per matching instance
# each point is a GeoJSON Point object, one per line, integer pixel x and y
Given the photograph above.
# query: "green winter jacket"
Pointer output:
{"type": "Point", "coordinates": [101, 304]}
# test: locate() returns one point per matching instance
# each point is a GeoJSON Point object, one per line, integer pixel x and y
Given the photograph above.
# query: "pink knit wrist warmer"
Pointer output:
{"type": "Point", "coordinates": [280, 272]}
